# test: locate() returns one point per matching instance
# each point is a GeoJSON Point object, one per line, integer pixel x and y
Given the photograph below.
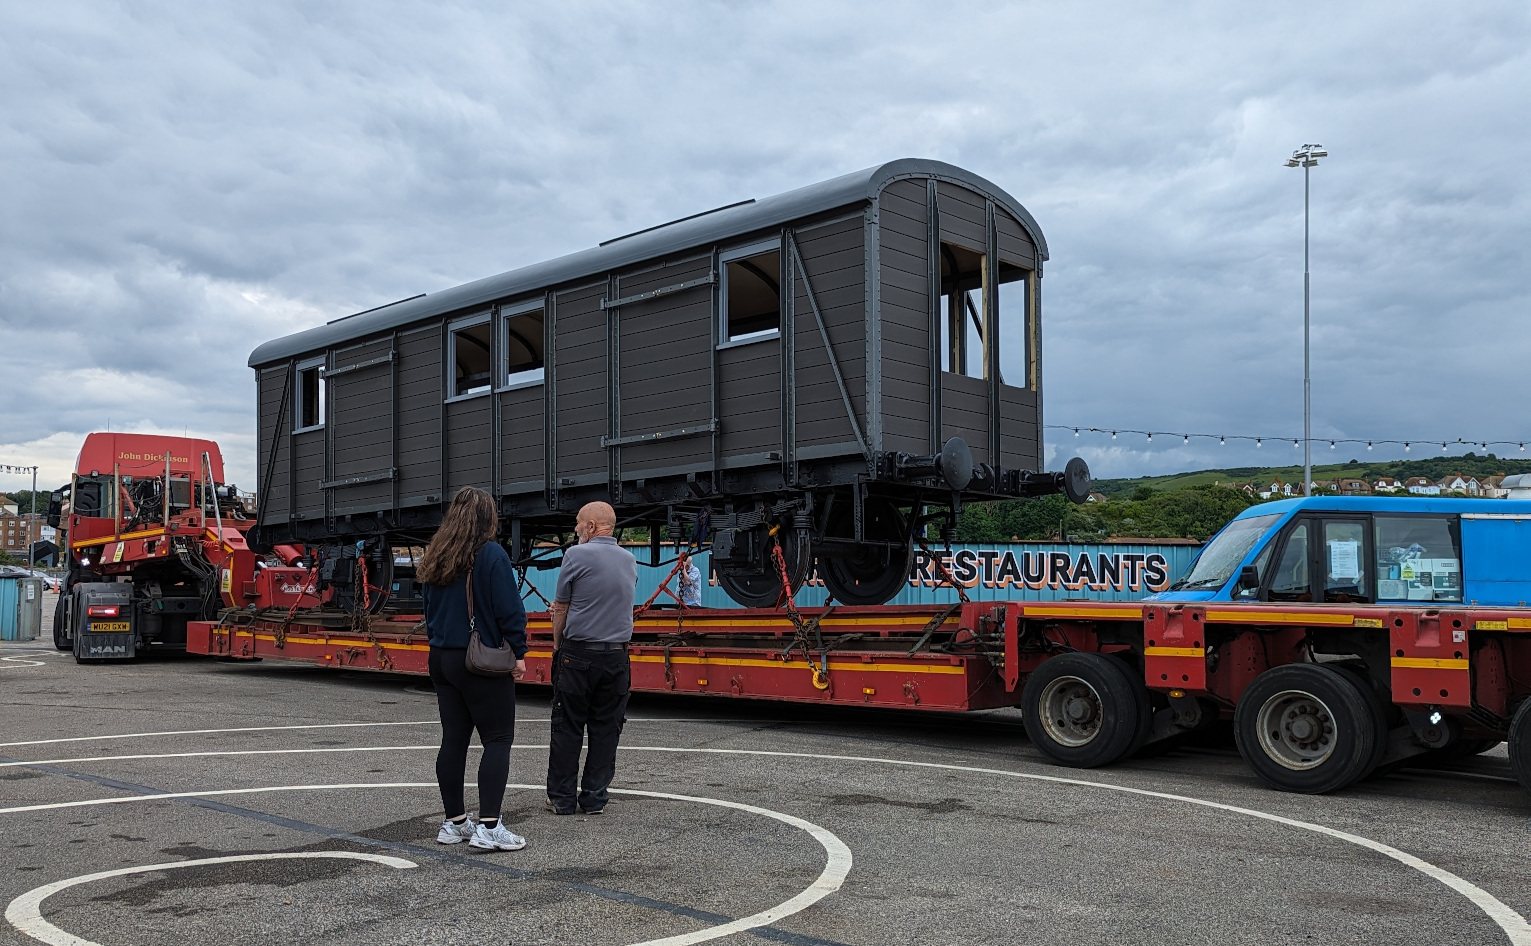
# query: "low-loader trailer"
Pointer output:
{"type": "Point", "coordinates": [1340, 636]}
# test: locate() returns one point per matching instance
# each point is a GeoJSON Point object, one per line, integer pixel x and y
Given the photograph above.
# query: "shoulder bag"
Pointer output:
{"type": "Point", "coordinates": [482, 659]}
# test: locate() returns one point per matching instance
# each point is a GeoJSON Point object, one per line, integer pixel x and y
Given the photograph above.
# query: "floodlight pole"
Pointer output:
{"type": "Point", "coordinates": [1307, 361]}
{"type": "Point", "coordinates": [1306, 157]}
{"type": "Point", "coordinates": [31, 543]}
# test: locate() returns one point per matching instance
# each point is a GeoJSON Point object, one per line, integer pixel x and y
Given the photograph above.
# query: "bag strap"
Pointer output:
{"type": "Point", "coordinates": [472, 624]}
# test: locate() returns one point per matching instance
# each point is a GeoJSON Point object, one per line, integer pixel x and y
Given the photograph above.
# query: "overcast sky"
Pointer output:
{"type": "Point", "coordinates": [181, 186]}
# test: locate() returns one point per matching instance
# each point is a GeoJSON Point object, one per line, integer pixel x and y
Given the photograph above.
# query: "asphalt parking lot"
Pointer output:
{"type": "Point", "coordinates": [311, 792]}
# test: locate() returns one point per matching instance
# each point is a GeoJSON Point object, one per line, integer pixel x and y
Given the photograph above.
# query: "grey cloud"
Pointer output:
{"type": "Point", "coordinates": [184, 185]}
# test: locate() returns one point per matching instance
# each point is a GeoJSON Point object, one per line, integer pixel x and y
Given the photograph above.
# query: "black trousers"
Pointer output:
{"type": "Point", "coordinates": [590, 689]}
{"type": "Point", "coordinates": [468, 701]}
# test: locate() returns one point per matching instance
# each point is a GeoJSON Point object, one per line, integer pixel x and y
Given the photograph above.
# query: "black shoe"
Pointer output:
{"type": "Point", "coordinates": [592, 811]}
{"type": "Point", "coordinates": [549, 806]}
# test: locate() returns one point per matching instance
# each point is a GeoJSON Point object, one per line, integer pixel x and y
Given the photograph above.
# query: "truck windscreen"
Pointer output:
{"type": "Point", "coordinates": [1216, 563]}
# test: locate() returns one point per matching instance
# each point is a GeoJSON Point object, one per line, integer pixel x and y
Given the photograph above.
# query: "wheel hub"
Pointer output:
{"type": "Point", "coordinates": [1297, 730]}
{"type": "Point", "coordinates": [1070, 711]}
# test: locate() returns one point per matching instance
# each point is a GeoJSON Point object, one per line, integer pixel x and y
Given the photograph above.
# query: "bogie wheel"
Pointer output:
{"type": "Point", "coordinates": [1307, 728]}
{"type": "Point", "coordinates": [866, 578]}
{"type": "Point", "coordinates": [1085, 710]}
{"type": "Point", "coordinates": [1520, 745]}
{"type": "Point", "coordinates": [762, 589]}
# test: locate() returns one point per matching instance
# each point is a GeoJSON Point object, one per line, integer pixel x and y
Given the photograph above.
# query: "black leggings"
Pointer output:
{"type": "Point", "coordinates": [468, 701]}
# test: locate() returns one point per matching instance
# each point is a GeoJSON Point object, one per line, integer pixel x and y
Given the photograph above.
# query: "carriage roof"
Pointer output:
{"type": "Point", "coordinates": [687, 233]}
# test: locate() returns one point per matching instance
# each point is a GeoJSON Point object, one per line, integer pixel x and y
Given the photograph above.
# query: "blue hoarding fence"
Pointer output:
{"type": "Point", "coordinates": [1011, 571]}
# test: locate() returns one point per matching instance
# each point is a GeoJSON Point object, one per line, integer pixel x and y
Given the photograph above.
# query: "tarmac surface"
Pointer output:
{"type": "Point", "coordinates": [312, 792]}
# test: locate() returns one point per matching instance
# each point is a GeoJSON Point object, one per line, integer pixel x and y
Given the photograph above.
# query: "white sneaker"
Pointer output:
{"type": "Point", "coordinates": [455, 832]}
{"type": "Point", "coordinates": [497, 838]}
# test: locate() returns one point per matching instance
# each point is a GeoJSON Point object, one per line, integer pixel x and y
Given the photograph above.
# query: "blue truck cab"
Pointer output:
{"type": "Point", "coordinates": [1371, 550]}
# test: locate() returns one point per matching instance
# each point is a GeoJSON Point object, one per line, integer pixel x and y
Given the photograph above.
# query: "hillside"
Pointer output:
{"type": "Point", "coordinates": [1438, 467]}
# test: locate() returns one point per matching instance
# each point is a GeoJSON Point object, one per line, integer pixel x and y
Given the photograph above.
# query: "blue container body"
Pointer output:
{"type": "Point", "coordinates": [10, 612]}
{"type": "Point", "coordinates": [1026, 571]}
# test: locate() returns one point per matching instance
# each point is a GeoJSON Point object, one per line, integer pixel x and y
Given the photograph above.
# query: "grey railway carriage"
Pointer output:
{"type": "Point", "coordinates": [828, 371]}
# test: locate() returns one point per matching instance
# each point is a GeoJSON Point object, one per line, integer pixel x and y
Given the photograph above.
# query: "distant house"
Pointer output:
{"type": "Point", "coordinates": [1457, 483]}
{"type": "Point", "coordinates": [1350, 486]}
{"type": "Point", "coordinates": [1386, 484]}
{"type": "Point", "coordinates": [1492, 488]}
{"type": "Point", "coordinates": [1096, 498]}
{"type": "Point", "coordinates": [1324, 486]}
{"type": "Point", "coordinates": [1276, 487]}
{"type": "Point", "coordinates": [1421, 486]}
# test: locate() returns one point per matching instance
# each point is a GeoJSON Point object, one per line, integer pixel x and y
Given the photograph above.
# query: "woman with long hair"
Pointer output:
{"type": "Point", "coordinates": [464, 546]}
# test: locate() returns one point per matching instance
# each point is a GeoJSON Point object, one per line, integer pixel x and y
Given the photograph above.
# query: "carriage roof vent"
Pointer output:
{"type": "Point", "coordinates": [661, 226]}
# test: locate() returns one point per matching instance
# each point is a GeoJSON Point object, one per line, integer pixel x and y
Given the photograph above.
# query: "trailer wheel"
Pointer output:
{"type": "Point", "coordinates": [865, 578]}
{"type": "Point", "coordinates": [1307, 728]}
{"type": "Point", "coordinates": [1520, 745]}
{"type": "Point", "coordinates": [61, 639]}
{"type": "Point", "coordinates": [1085, 710]}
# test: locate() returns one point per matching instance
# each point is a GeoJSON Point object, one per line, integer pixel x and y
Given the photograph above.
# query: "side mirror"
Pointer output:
{"type": "Point", "coordinates": [1249, 577]}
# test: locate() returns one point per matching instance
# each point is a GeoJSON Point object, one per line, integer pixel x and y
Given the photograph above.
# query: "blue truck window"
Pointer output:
{"type": "Point", "coordinates": [1290, 581]}
{"type": "Point", "coordinates": [1345, 578]}
{"type": "Point", "coordinates": [1225, 553]}
{"type": "Point", "coordinates": [1419, 558]}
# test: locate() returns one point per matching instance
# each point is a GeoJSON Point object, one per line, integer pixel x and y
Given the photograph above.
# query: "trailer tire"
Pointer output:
{"type": "Point", "coordinates": [1307, 728]}
{"type": "Point", "coordinates": [1520, 745]}
{"type": "Point", "coordinates": [1085, 710]}
{"type": "Point", "coordinates": [61, 638]}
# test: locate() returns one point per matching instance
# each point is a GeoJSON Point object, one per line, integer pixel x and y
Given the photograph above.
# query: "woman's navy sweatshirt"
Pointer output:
{"type": "Point", "coordinates": [497, 605]}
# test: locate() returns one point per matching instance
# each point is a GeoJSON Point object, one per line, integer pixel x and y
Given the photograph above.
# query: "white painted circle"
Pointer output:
{"type": "Point", "coordinates": [25, 912]}
{"type": "Point", "coordinates": [837, 864]}
{"type": "Point", "coordinates": [1515, 927]}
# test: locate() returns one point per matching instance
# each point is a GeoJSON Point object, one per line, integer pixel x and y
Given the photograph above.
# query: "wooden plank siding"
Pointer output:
{"type": "Point", "coordinates": [579, 379]}
{"type": "Point", "coordinates": [965, 412]}
{"type": "Point", "coordinates": [1020, 442]}
{"type": "Point", "coordinates": [275, 423]}
{"type": "Point", "coordinates": [834, 257]}
{"type": "Point", "coordinates": [469, 437]}
{"type": "Point", "coordinates": [904, 311]}
{"type": "Point", "coordinates": [962, 214]}
{"type": "Point", "coordinates": [1015, 246]}
{"type": "Point", "coordinates": [522, 463]}
{"type": "Point", "coordinates": [665, 360]}
{"type": "Point", "coordinates": [421, 390]}
{"type": "Point", "coordinates": [749, 379]}
{"type": "Point", "coordinates": [361, 433]}
{"type": "Point", "coordinates": [308, 451]}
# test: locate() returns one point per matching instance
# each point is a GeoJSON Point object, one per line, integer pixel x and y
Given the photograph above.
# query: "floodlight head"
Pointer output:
{"type": "Point", "coordinates": [1291, 162]}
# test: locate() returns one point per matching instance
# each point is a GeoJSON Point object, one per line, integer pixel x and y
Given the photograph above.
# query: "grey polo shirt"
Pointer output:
{"type": "Point", "coordinates": [598, 582]}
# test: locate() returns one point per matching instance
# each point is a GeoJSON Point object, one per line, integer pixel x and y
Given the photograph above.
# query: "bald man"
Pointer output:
{"type": "Point", "coordinates": [592, 613]}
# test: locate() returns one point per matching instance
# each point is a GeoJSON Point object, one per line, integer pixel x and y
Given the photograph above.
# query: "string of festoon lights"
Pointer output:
{"type": "Point", "coordinates": [1260, 441]}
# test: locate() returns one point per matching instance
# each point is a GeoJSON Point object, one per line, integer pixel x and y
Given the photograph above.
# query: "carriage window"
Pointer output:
{"type": "Point", "coordinates": [469, 357]}
{"type": "Point", "coordinates": [963, 313]}
{"type": "Point", "coordinates": [751, 297]}
{"type": "Point", "coordinates": [523, 341]}
{"type": "Point", "coordinates": [1419, 558]}
{"type": "Point", "coordinates": [1015, 334]}
{"type": "Point", "coordinates": [308, 407]}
